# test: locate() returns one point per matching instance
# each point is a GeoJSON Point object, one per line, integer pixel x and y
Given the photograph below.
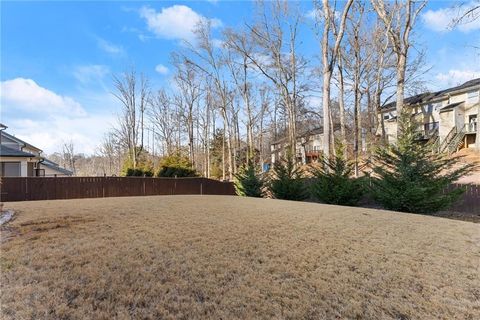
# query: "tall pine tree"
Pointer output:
{"type": "Point", "coordinates": [333, 182]}
{"type": "Point", "coordinates": [248, 182]}
{"type": "Point", "coordinates": [410, 176]}
{"type": "Point", "coordinates": [286, 182]}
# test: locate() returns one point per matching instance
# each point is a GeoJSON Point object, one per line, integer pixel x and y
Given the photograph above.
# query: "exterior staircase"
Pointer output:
{"type": "Point", "coordinates": [453, 140]}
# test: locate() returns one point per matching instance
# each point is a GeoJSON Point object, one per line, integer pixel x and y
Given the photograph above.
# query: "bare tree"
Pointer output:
{"type": "Point", "coordinates": [189, 85]}
{"type": "Point", "coordinates": [341, 102]}
{"type": "Point", "coordinates": [109, 151]}
{"type": "Point", "coordinates": [399, 18]}
{"type": "Point", "coordinates": [163, 115]}
{"type": "Point", "coordinates": [358, 65]}
{"type": "Point", "coordinates": [208, 58]}
{"type": "Point", "coordinates": [238, 64]}
{"type": "Point", "coordinates": [133, 94]}
{"type": "Point", "coordinates": [275, 56]}
{"type": "Point", "coordinates": [68, 153]}
{"type": "Point", "coordinates": [382, 67]}
{"type": "Point", "coordinates": [466, 13]}
{"type": "Point", "coordinates": [329, 58]}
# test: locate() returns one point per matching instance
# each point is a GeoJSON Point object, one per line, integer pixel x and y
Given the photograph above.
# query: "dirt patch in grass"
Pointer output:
{"type": "Point", "coordinates": [192, 257]}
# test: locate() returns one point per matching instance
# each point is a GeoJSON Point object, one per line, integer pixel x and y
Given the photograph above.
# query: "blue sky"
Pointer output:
{"type": "Point", "coordinates": [58, 58]}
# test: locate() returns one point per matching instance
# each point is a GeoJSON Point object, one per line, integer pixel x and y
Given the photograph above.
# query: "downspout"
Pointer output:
{"type": "Point", "coordinates": [38, 165]}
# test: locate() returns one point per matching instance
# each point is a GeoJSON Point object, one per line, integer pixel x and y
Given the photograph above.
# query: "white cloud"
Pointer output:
{"type": "Point", "coordinates": [455, 77]}
{"type": "Point", "coordinates": [175, 22]}
{"type": "Point", "coordinates": [90, 73]}
{"type": "Point", "coordinates": [218, 43]}
{"type": "Point", "coordinates": [317, 14]}
{"type": "Point", "coordinates": [314, 14]}
{"type": "Point", "coordinates": [109, 47]}
{"type": "Point", "coordinates": [160, 68]}
{"type": "Point", "coordinates": [50, 134]}
{"type": "Point", "coordinates": [47, 119]}
{"type": "Point", "coordinates": [441, 20]}
{"type": "Point", "coordinates": [27, 95]}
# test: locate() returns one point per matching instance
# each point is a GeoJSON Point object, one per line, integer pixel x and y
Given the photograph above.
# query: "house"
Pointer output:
{"type": "Point", "coordinates": [448, 117]}
{"type": "Point", "coordinates": [308, 147]}
{"type": "Point", "coordinates": [21, 159]}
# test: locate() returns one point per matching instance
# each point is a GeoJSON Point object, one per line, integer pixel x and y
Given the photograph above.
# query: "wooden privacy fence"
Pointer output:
{"type": "Point", "coordinates": [470, 200]}
{"type": "Point", "coordinates": [46, 188]}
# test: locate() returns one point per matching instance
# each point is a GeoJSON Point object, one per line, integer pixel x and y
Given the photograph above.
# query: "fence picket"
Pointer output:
{"type": "Point", "coordinates": [45, 188]}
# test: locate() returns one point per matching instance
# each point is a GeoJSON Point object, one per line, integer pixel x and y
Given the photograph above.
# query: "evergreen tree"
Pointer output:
{"type": "Point", "coordinates": [247, 182]}
{"type": "Point", "coordinates": [287, 182]}
{"type": "Point", "coordinates": [409, 176]}
{"type": "Point", "coordinates": [333, 184]}
{"type": "Point", "coordinates": [144, 166]}
{"type": "Point", "coordinates": [176, 165]}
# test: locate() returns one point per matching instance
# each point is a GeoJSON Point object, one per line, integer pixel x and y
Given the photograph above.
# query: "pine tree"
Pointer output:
{"type": "Point", "coordinates": [333, 182]}
{"type": "Point", "coordinates": [247, 182]}
{"type": "Point", "coordinates": [409, 176]}
{"type": "Point", "coordinates": [176, 165]}
{"type": "Point", "coordinates": [287, 182]}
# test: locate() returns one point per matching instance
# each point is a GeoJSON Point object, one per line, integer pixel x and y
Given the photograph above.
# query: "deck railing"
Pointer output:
{"type": "Point", "coordinates": [471, 127]}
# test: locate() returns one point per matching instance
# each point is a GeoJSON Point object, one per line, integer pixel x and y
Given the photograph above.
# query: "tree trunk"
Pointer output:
{"type": "Point", "coordinates": [356, 125]}
{"type": "Point", "coordinates": [341, 104]}
{"type": "Point", "coordinates": [401, 66]}
{"type": "Point", "coordinates": [223, 149]}
{"type": "Point", "coordinates": [190, 137]}
{"type": "Point", "coordinates": [326, 111]}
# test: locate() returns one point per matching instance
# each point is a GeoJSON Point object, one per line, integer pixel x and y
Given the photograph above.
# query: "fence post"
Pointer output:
{"type": "Point", "coordinates": [26, 188]}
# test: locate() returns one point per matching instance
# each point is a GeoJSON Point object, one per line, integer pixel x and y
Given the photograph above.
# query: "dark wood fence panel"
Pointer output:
{"type": "Point", "coordinates": [470, 201]}
{"type": "Point", "coordinates": [47, 188]}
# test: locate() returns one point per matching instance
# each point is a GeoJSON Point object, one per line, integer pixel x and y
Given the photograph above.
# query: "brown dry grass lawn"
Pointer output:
{"type": "Point", "coordinates": [220, 257]}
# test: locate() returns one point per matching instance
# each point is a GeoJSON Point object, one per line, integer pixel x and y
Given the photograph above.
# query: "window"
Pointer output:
{"type": "Point", "coordinates": [386, 116]}
{"type": "Point", "coordinates": [431, 126]}
{"type": "Point", "coordinates": [472, 96]}
{"type": "Point", "coordinates": [430, 108]}
{"type": "Point", "coordinates": [10, 169]}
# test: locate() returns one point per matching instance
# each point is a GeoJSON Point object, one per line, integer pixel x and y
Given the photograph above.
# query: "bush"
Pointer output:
{"type": "Point", "coordinates": [144, 167]}
{"type": "Point", "coordinates": [247, 182]}
{"type": "Point", "coordinates": [138, 172]}
{"type": "Point", "coordinates": [176, 166]}
{"type": "Point", "coordinates": [410, 177]}
{"type": "Point", "coordinates": [178, 172]}
{"type": "Point", "coordinates": [333, 184]}
{"type": "Point", "coordinates": [287, 182]}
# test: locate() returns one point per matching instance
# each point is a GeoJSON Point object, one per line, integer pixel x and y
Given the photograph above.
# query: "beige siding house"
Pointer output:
{"type": "Point", "coordinates": [308, 147]}
{"type": "Point", "coordinates": [21, 159]}
{"type": "Point", "coordinates": [448, 116]}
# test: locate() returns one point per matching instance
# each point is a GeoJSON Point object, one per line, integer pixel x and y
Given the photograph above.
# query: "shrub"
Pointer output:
{"type": "Point", "coordinates": [176, 166]}
{"type": "Point", "coordinates": [144, 167]}
{"type": "Point", "coordinates": [247, 182]}
{"type": "Point", "coordinates": [408, 176]}
{"type": "Point", "coordinates": [287, 182]}
{"type": "Point", "coordinates": [333, 184]}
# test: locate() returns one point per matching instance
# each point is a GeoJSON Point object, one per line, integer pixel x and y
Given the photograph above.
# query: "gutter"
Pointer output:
{"type": "Point", "coordinates": [38, 165]}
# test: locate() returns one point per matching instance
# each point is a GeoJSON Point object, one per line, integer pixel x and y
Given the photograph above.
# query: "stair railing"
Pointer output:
{"type": "Point", "coordinates": [447, 140]}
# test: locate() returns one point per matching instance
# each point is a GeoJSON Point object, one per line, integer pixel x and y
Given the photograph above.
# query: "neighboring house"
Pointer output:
{"type": "Point", "coordinates": [448, 116]}
{"type": "Point", "coordinates": [21, 159]}
{"type": "Point", "coordinates": [308, 147]}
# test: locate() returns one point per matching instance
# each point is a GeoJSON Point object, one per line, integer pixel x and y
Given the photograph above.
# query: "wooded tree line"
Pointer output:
{"type": "Point", "coordinates": [274, 76]}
